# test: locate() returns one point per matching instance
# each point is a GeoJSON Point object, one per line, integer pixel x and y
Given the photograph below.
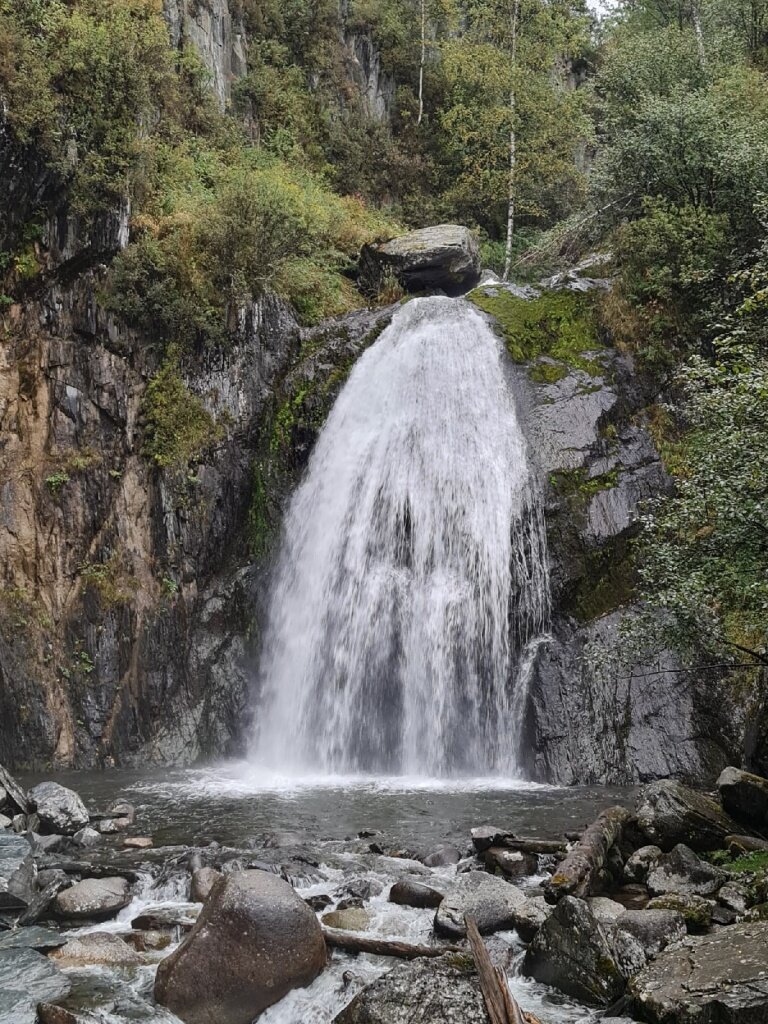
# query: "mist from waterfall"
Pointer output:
{"type": "Point", "coordinates": [412, 583]}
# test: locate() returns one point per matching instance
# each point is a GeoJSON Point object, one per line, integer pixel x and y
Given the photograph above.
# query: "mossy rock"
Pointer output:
{"type": "Point", "coordinates": [560, 324]}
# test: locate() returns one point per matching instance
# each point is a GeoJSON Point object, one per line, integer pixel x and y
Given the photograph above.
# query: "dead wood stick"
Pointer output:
{"type": "Point", "coordinates": [502, 1006]}
{"type": "Point", "coordinates": [352, 943]}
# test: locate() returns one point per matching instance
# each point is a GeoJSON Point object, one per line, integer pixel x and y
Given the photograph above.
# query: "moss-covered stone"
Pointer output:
{"type": "Point", "coordinates": [547, 372]}
{"type": "Point", "coordinates": [560, 324]}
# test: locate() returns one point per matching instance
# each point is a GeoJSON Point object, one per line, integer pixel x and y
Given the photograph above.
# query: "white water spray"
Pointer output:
{"type": "Point", "coordinates": [413, 572]}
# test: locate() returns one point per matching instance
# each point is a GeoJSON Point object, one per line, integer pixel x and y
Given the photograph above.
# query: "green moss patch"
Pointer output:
{"type": "Point", "coordinates": [178, 426]}
{"type": "Point", "coordinates": [562, 325]}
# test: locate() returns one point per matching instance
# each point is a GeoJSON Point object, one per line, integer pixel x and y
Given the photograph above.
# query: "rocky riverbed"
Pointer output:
{"type": "Point", "coordinates": [657, 911]}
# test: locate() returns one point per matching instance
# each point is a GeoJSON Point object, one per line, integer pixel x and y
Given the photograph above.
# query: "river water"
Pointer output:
{"type": "Point", "coordinates": [234, 806]}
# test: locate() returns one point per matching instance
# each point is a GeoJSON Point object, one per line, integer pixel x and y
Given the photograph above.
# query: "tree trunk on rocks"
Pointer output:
{"type": "Point", "coordinates": [350, 943]}
{"type": "Point", "coordinates": [578, 874]}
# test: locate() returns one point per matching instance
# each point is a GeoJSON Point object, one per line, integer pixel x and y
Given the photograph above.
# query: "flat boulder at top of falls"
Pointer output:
{"type": "Point", "coordinates": [444, 257]}
{"type": "Point", "coordinates": [59, 809]}
{"type": "Point", "coordinates": [722, 977]}
{"type": "Point", "coordinates": [745, 796]}
{"type": "Point", "coordinates": [424, 991]}
{"type": "Point", "coordinates": [254, 941]}
{"type": "Point", "coordinates": [490, 900]}
{"type": "Point", "coordinates": [669, 813]}
{"type": "Point", "coordinates": [572, 951]}
{"type": "Point", "coordinates": [93, 899]}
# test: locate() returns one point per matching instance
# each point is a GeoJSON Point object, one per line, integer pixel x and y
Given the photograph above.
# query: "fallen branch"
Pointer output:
{"type": "Point", "coordinates": [351, 943]}
{"type": "Point", "coordinates": [579, 872]}
{"type": "Point", "coordinates": [501, 1005]}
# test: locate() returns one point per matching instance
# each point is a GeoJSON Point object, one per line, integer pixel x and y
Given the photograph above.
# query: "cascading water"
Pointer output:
{"type": "Point", "coordinates": [412, 584]}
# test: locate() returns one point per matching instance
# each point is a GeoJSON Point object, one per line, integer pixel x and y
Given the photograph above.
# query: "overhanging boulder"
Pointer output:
{"type": "Point", "coordinates": [444, 257]}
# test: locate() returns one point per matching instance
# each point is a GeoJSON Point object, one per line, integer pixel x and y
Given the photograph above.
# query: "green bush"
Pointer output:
{"type": "Point", "coordinates": [178, 426]}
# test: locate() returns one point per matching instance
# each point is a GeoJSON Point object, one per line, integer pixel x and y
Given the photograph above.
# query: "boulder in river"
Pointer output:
{"type": "Point", "coordinates": [489, 899]}
{"type": "Point", "coordinates": [681, 871]}
{"type": "Point", "coordinates": [572, 951]}
{"type": "Point", "coordinates": [722, 977]}
{"type": "Point", "coordinates": [442, 856]}
{"type": "Point", "coordinates": [410, 892]}
{"type": "Point", "coordinates": [511, 863]}
{"type": "Point", "coordinates": [423, 991]}
{"type": "Point", "coordinates": [253, 942]}
{"type": "Point", "coordinates": [486, 836]}
{"type": "Point", "coordinates": [745, 796]}
{"type": "Point", "coordinates": [59, 809]}
{"type": "Point", "coordinates": [27, 978]}
{"type": "Point", "coordinates": [669, 813]}
{"type": "Point", "coordinates": [351, 919]}
{"type": "Point", "coordinates": [93, 899]}
{"type": "Point", "coordinates": [96, 948]}
{"type": "Point", "coordinates": [445, 257]}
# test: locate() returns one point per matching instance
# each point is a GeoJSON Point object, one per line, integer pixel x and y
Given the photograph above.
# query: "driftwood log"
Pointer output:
{"type": "Point", "coordinates": [501, 1005]}
{"type": "Point", "coordinates": [351, 943]}
{"type": "Point", "coordinates": [578, 874]}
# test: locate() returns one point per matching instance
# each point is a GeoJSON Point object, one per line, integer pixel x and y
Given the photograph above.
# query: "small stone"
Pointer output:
{"type": "Point", "coordinates": [511, 863]}
{"type": "Point", "coordinates": [442, 856]}
{"type": "Point", "coordinates": [144, 942]}
{"type": "Point", "coordinates": [87, 837]}
{"type": "Point", "coordinates": [696, 911]}
{"type": "Point", "coordinates": [408, 892]}
{"type": "Point", "coordinates": [108, 826]}
{"type": "Point", "coordinates": [49, 1013]}
{"type": "Point", "coordinates": [319, 902]}
{"type": "Point", "coordinates": [5, 822]}
{"type": "Point", "coordinates": [121, 809]}
{"type": "Point", "coordinates": [641, 863]}
{"type": "Point", "coordinates": [530, 916]}
{"type": "Point", "coordinates": [203, 880]}
{"type": "Point", "coordinates": [167, 916]}
{"type": "Point", "coordinates": [138, 843]}
{"type": "Point", "coordinates": [735, 897]}
{"type": "Point", "coordinates": [486, 836]}
{"type": "Point", "coordinates": [353, 919]}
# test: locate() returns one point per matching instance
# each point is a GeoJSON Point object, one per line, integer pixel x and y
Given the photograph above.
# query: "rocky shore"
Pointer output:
{"type": "Point", "coordinates": [657, 914]}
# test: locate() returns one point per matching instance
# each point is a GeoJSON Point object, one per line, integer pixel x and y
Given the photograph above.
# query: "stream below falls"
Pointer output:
{"type": "Point", "coordinates": [324, 835]}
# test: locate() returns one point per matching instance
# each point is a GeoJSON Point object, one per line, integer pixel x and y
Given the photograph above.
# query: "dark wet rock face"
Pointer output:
{"type": "Point", "coordinates": [490, 900]}
{"type": "Point", "coordinates": [444, 257]}
{"type": "Point", "coordinates": [745, 796]}
{"type": "Point", "coordinates": [721, 977]}
{"type": "Point", "coordinates": [422, 992]}
{"type": "Point", "coordinates": [27, 978]}
{"type": "Point", "coordinates": [16, 872]}
{"type": "Point", "coordinates": [669, 813]}
{"type": "Point", "coordinates": [572, 951]}
{"type": "Point", "coordinates": [254, 941]}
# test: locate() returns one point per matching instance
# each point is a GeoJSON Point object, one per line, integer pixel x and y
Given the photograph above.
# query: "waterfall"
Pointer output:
{"type": "Point", "coordinates": [413, 573]}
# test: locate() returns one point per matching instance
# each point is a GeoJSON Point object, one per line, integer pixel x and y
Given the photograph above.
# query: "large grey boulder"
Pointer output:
{"type": "Point", "coordinates": [681, 871]}
{"type": "Point", "coordinates": [490, 900]}
{"type": "Point", "coordinates": [17, 872]}
{"type": "Point", "coordinates": [669, 813]}
{"type": "Point", "coordinates": [93, 899]}
{"type": "Point", "coordinates": [253, 942]}
{"type": "Point", "coordinates": [573, 952]}
{"type": "Point", "coordinates": [59, 809]}
{"type": "Point", "coordinates": [720, 978]}
{"type": "Point", "coordinates": [27, 978]}
{"type": "Point", "coordinates": [745, 796]}
{"type": "Point", "coordinates": [445, 256]}
{"type": "Point", "coordinates": [422, 992]}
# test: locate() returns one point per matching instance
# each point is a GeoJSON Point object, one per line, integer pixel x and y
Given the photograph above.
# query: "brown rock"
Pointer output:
{"type": "Point", "coordinates": [253, 942]}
